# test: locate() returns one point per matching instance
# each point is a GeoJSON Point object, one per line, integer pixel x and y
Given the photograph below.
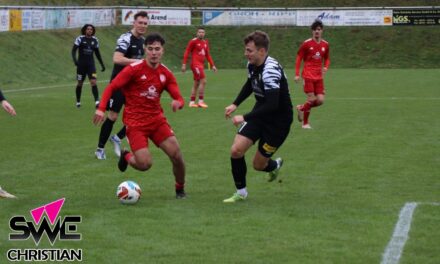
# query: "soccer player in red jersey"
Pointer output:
{"type": "Point", "coordinates": [315, 53]}
{"type": "Point", "coordinates": [199, 49]}
{"type": "Point", "coordinates": [142, 84]}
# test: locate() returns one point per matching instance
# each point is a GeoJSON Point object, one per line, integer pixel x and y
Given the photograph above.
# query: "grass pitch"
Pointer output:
{"type": "Point", "coordinates": [374, 146]}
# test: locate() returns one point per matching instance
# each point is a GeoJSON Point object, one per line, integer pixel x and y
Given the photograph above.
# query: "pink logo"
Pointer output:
{"type": "Point", "coordinates": [52, 210]}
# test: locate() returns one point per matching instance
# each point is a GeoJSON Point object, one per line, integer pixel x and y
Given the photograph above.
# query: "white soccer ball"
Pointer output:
{"type": "Point", "coordinates": [128, 192]}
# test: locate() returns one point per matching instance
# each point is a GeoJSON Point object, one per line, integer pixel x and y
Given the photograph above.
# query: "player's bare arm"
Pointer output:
{"type": "Point", "coordinates": [120, 59]}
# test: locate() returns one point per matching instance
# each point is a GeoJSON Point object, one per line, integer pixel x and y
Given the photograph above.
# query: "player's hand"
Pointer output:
{"type": "Point", "coordinates": [214, 69]}
{"type": "Point", "coordinates": [324, 70]}
{"type": "Point", "coordinates": [8, 108]}
{"type": "Point", "coordinates": [102, 68]}
{"type": "Point", "coordinates": [237, 120]}
{"type": "Point", "coordinates": [176, 105]}
{"type": "Point", "coordinates": [183, 67]}
{"type": "Point", "coordinates": [297, 78]}
{"type": "Point", "coordinates": [98, 118]}
{"type": "Point", "coordinates": [229, 110]}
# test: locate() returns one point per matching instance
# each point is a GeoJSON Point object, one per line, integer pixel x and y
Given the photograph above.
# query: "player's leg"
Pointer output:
{"type": "Point", "coordinates": [195, 88]}
{"type": "Point", "coordinates": [202, 86]}
{"type": "Point", "coordinates": [115, 106]}
{"type": "Point", "coordinates": [320, 93]}
{"type": "Point", "coordinates": [304, 109]}
{"type": "Point", "coordinates": [172, 149]}
{"type": "Point", "coordinates": [247, 134]}
{"type": "Point", "coordinates": [271, 140]}
{"type": "Point", "coordinates": [80, 76]}
{"type": "Point", "coordinates": [140, 158]}
{"type": "Point", "coordinates": [92, 78]}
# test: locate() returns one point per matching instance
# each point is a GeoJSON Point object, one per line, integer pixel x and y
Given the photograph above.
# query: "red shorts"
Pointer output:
{"type": "Point", "coordinates": [198, 72]}
{"type": "Point", "coordinates": [138, 136]}
{"type": "Point", "coordinates": [314, 86]}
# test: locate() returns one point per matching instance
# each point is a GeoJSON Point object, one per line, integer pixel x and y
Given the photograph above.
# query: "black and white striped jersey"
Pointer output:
{"type": "Point", "coordinates": [86, 47]}
{"type": "Point", "coordinates": [132, 48]}
{"type": "Point", "coordinates": [269, 85]}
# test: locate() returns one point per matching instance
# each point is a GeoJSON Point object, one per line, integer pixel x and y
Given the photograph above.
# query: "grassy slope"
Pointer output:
{"type": "Point", "coordinates": [45, 55]}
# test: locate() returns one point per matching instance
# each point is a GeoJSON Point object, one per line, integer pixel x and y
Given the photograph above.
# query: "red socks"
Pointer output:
{"type": "Point", "coordinates": [180, 186]}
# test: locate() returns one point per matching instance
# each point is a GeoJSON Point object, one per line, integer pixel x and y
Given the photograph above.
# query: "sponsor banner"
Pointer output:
{"type": "Point", "coordinates": [4, 20]}
{"type": "Point", "coordinates": [14, 20]}
{"type": "Point", "coordinates": [33, 19]}
{"type": "Point", "coordinates": [419, 17]}
{"type": "Point", "coordinates": [56, 19]}
{"type": "Point", "coordinates": [250, 17]}
{"type": "Point", "coordinates": [346, 17]}
{"type": "Point", "coordinates": [159, 17]}
{"type": "Point", "coordinates": [103, 17]}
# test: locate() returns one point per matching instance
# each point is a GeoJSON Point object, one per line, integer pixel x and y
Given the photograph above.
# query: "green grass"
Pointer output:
{"type": "Point", "coordinates": [45, 55]}
{"type": "Point", "coordinates": [374, 147]}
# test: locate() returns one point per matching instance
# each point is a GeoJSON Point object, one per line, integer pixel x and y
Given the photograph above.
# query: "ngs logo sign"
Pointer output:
{"type": "Point", "coordinates": [45, 221]}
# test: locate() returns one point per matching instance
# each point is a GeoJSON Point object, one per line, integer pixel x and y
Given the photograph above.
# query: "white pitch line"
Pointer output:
{"type": "Point", "coordinates": [394, 249]}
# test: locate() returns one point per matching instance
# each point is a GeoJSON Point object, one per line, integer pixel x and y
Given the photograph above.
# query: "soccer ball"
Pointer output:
{"type": "Point", "coordinates": [128, 192]}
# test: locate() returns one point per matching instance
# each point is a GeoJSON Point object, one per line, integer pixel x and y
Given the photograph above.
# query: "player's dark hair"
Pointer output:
{"type": "Point", "coordinates": [84, 28]}
{"type": "Point", "coordinates": [260, 39]}
{"type": "Point", "coordinates": [317, 23]}
{"type": "Point", "coordinates": [200, 27]}
{"type": "Point", "coordinates": [141, 14]}
{"type": "Point", "coordinates": [153, 37]}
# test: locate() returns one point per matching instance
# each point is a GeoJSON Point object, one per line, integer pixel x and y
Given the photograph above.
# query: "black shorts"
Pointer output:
{"type": "Point", "coordinates": [83, 70]}
{"type": "Point", "coordinates": [270, 135]}
{"type": "Point", "coordinates": [116, 102]}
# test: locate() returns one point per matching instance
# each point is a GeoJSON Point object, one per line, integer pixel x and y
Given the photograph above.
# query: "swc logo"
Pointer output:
{"type": "Point", "coordinates": [63, 229]}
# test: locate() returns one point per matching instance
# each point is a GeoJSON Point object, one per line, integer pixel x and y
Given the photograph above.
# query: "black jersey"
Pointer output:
{"type": "Point", "coordinates": [269, 84]}
{"type": "Point", "coordinates": [86, 46]}
{"type": "Point", "coordinates": [131, 47]}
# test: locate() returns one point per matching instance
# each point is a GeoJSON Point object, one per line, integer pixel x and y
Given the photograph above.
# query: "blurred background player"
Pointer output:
{"type": "Point", "coordinates": [314, 51]}
{"type": "Point", "coordinates": [199, 49]}
{"type": "Point", "coordinates": [268, 122]}
{"type": "Point", "coordinates": [142, 84]}
{"type": "Point", "coordinates": [129, 49]}
{"type": "Point", "coordinates": [10, 110]}
{"type": "Point", "coordinates": [87, 44]}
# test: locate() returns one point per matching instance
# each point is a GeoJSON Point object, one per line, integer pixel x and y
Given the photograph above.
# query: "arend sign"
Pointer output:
{"type": "Point", "coordinates": [46, 222]}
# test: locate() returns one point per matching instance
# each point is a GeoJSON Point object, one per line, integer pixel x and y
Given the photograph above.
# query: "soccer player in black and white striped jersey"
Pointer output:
{"type": "Point", "coordinates": [268, 123]}
{"type": "Point", "coordinates": [87, 45]}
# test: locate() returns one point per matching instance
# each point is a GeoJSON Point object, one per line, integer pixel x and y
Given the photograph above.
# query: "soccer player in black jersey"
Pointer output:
{"type": "Point", "coordinates": [87, 45]}
{"type": "Point", "coordinates": [10, 109]}
{"type": "Point", "coordinates": [129, 49]}
{"type": "Point", "coordinates": [270, 119]}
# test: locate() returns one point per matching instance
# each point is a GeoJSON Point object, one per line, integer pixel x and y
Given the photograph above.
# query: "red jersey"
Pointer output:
{"type": "Point", "coordinates": [199, 49]}
{"type": "Point", "coordinates": [142, 87]}
{"type": "Point", "coordinates": [313, 54]}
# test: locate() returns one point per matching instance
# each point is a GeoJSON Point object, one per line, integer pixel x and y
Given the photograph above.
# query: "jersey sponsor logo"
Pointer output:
{"type": "Point", "coordinates": [162, 78]}
{"type": "Point", "coordinates": [269, 149]}
{"type": "Point", "coordinates": [151, 93]}
{"type": "Point", "coordinates": [317, 56]}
